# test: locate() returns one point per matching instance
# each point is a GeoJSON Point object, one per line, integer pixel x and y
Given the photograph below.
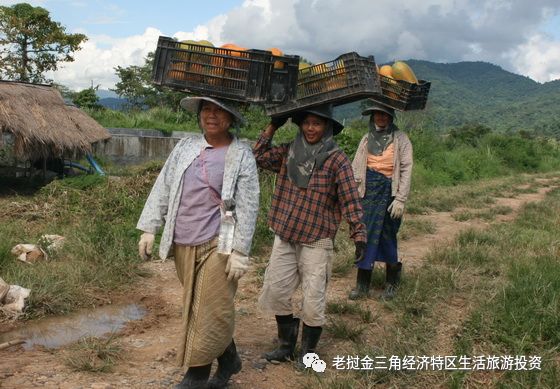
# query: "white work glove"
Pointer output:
{"type": "Point", "coordinates": [145, 245]}
{"type": "Point", "coordinates": [396, 209]}
{"type": "Point", "coordinates": [237, 265]}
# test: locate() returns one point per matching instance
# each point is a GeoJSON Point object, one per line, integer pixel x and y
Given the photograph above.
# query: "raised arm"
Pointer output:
{"type": "Point", "coordinates": [268, 157]}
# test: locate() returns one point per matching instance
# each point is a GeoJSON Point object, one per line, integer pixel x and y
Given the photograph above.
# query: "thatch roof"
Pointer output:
{"type": "Point", "coordinates": [42, 124]}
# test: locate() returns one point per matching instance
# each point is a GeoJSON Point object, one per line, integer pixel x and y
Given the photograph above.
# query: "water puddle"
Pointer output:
{"type": "Point", "coordinates": [59, 331]}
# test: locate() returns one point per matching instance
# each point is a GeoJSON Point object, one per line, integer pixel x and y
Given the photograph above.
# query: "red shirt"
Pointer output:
{"type": "Point", "coordinates": [307, 215]}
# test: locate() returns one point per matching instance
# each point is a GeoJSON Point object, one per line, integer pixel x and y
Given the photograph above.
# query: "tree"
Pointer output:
{"type": "Point", "coordinates": [66, 92]}
{"type": "Point", "coordinates": [136, 85]}
{"type": "Point", "coordinates": [31, 43]}
{"type": "Point", "coordinates": [87, 98]}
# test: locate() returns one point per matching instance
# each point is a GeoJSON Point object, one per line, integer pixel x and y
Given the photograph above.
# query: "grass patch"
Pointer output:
{"type": "Point", "coordinates": [411, 228]}
{"type": "Point", "coordinates": [349, 308]}
{"type": "Point", "coordinates": [478, 194]}
{"type": "Point", "coordinates": [339, 329]}
{"type": "Point", "coordinates": [463, 216]}
{"type": "Point", "coordinates": [94, 355]}
{"type": "Point", "coordinates": [97, 216]}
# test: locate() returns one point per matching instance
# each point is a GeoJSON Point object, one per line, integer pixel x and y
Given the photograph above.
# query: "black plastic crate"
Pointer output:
{"type": "Point", "coordinates": [403, 95]}
{"type": "Point", "coordinates": [248, 76]}
{"type": "Point", "coordinates": [348, 78]}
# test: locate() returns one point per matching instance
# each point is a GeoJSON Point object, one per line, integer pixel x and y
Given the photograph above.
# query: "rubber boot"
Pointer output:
{"type": "Point", "coordinates": [229, 363]}
{"type": "Point", "coordinates": [195, 378]}
{"type": "Point", "coordinates": [363, 281]}
{"type": "Point", "coordinates": [393, 279]}
{"type": "Point", "coordinates": [287, 338]}
{"type": "Point", "coordinates": [309, 338]}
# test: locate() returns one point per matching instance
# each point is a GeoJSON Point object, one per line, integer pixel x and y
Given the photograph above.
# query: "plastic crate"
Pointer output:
{"type": "Point", "coordinates": [403, 95]}
{"type": "Point", "coordinates": [348, 78]}
{"type": "Point", "coordinates": [252, 76]}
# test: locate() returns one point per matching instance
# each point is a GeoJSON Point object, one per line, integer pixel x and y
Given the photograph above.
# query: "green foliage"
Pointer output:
{"type": "Point", "coordinates": [136, 86]}
{"type": "Point", "coordinates": [160, 118]}
{"type": "Point", "coordinates": [87, 98]}
{"type": "Point", "coordinates": [485, 94]}
{"type": "Point", "coordinates": [97, 216]}
{"type": "Point", "coordinates": [468, 134]}
{"type": "Point", "coordinates": [32, 43]}
{"type": "Point", "coordinates": [475, 152]}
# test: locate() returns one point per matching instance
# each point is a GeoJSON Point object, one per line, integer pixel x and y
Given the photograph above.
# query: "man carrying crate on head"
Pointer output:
{"type": "Point", "coordinates": [314, 189]}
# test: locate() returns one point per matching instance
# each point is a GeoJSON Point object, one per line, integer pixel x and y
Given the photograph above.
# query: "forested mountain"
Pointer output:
{"type": "Point", "coordinates": [482, 93]}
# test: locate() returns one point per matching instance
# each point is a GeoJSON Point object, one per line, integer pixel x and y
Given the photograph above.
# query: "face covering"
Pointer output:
{"type": "Point", "coordinates": [304, 157]}
{"type": "Point", "coordinates": [379, 138]}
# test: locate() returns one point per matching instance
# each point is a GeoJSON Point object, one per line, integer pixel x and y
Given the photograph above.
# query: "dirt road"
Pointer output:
{"type": "Point", "coordinates": [148, 345]}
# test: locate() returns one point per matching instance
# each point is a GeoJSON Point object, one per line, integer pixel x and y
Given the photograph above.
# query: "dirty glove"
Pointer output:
{"type": "Point", "coordinates": [145, 245]}
{"type": "Point", "coordinates": [237, 265]}
{"type": "Point", "coordinates": [278, 121]}
{"type": "Point", "coordinates": [396, 209]}
{"type": "Point", "coordinates": [360, 252]}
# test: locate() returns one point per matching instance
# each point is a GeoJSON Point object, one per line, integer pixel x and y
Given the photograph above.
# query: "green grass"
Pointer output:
{"type": "Point", "coordinates": [94, 355]}
{"type": "Point", "coordinates": [492, 292]}
{"type": "Point", "coordinates": [340, 329]}
{"type": "Point", "coordinates": [411, 228]}
{"type": "Point", "coordinates": [97, 216]}
{"type": "Point", "coordinates": [349, 308]}
{"type": "Point", "coordinates": [488, 214]}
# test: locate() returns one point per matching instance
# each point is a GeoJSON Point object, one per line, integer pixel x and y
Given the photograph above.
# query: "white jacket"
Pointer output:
{"type": "Point", "coordinates": [241, 184]}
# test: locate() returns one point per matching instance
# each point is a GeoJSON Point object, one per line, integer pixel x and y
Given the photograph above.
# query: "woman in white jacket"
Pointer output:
{"type": "Point", "coordinates": [204, 176]}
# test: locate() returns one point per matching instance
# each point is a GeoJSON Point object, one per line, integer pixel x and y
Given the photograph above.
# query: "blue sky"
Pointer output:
{"type": "Point", "coordinates": [522, 36]}
{"type": "Point", "coordinates": [552, 26]}
{"type": "Point", "coordinates": [123, 18]}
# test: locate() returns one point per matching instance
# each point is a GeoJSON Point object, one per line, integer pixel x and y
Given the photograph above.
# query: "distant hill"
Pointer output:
{"type": "Point", "coordinates": [480, 92]}
{"type": "Point", "coordinates": [114, 103]}
{"type": "Point", "coordinates": [104, 93]}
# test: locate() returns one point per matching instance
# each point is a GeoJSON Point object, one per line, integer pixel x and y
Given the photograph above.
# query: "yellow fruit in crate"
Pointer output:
{"type": "Point", "coordinates": [206, 43]}
{"type": "Point", "coordinates": [391, 88]}
{"type": "Point", "coordinates": [339, 77]}
{"type": "Point", "coordinates": [177, 71]}
{"type": "Point", "coordinates": [401, 71]}
{"type": "Point", "coordinates": [278, 53]}
{"type": "Point", "coordinates": [386, 70]}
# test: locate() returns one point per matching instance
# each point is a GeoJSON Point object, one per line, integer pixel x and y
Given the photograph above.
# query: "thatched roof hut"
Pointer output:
{"type": "Point", "coordinates": [42, 124]}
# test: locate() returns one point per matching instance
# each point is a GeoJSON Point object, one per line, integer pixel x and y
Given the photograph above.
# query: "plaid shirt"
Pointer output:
{"type": "Point", "coordinates": [305, 216]}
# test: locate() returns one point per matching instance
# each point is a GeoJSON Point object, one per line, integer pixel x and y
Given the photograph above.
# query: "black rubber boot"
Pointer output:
{"type": "Point", "coordinates": [309, 338]}
{"type": "Point", "coordinates": [393, 279]}
{"type": "Point", "coordinates": [229, 363]}
{"type": "Point", "coordinates": [363, 281]}
{"type": "Point", "coordinates": [195, 378]}
{"type": "Point", "coordinates": [288, 328]}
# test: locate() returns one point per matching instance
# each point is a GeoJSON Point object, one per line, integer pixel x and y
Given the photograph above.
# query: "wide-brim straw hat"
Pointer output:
{"type": "Point", "coordinates": [192, 104]}
{"type": "Point", "coordinates": [324, 111]}
{"type": "Point", "coordinates": [379, 107]}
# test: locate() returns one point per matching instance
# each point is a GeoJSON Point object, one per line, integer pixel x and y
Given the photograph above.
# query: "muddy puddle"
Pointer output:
{"type": "Point", "coordinates": [59, 331]}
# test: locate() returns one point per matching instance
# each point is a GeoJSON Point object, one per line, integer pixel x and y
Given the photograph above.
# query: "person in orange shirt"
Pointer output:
{"type": "Point", "coordinates": [382, 168]}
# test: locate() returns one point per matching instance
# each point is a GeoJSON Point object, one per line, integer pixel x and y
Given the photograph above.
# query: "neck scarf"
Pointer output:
{"type": "Point", "coordinates": [303, 157]}
{"type": "Point", "coordinates": [379, 138]}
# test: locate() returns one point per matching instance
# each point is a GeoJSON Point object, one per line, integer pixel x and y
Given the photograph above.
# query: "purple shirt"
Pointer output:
{"type": "Point", "coordinates": [198, 216]}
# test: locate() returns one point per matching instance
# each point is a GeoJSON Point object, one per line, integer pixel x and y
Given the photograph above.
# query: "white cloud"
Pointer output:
{"type": "Point", "coordinates": [96, 64]}
{"type": "Point", "coordinates": [211, 31]}
{"type": "Point", "coordinates": [539, 58]}
{"type": "Point", "coordinates": [499, 31]}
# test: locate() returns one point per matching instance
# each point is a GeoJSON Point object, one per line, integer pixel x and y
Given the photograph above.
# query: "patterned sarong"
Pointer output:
{"type": "Point", "coordinates": [208, 311]}
{"type": "Point", "coordinates": [381, 228]}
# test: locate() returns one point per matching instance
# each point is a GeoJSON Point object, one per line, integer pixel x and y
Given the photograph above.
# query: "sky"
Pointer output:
{"type": "Point", "coordinates": [521, 36]}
